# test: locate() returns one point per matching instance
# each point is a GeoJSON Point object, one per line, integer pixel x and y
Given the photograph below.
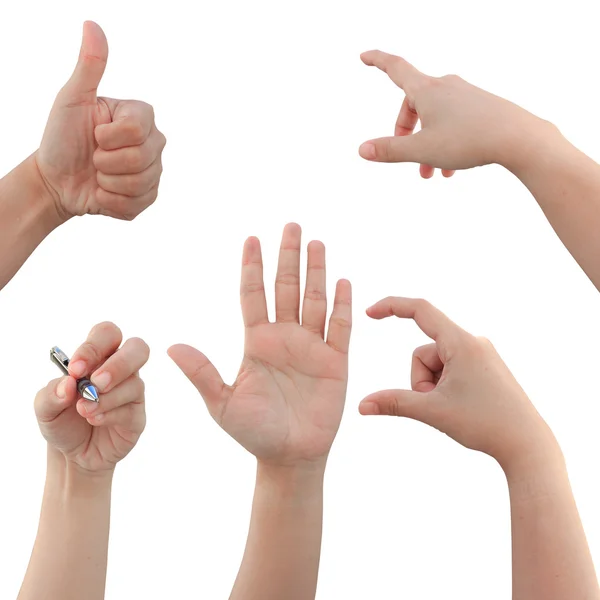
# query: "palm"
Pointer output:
{"type": "Point", "coordinates": [287, 401]}
{"type": "Point", "coordinates": [288, 398]}
{"type": "Point", "coordinates": [65, 157]}
{"type": "Point", "coordinates": [92, 448]}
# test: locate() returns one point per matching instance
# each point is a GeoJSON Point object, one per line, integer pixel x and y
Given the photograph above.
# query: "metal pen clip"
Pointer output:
{"type": "Point", "coordinates": [84, 385]}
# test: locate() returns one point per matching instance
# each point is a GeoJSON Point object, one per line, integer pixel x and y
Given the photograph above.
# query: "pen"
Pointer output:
{"type": "Point", "coordinates": [84, 385]}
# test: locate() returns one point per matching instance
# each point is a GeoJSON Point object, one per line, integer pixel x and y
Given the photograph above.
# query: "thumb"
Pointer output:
{"type": "Point", "coordinates": [398, 403]}
{"type": "Point", "coordinates": [414, 148]}
{"type": "Point", "coordinates": [202, 373]}
{"type": "Point", "coordinates": [90, 66]}
{"type": "Point", "coordinates": [55, 398]}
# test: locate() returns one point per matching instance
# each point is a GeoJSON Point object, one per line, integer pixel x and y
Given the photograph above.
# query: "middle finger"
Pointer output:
{"type": "Point", "coordinates": [132, 159]}
{"type": "Point", "coordinates": [287, 283]}
{"type": "Point", "coordinates": [121, 365]}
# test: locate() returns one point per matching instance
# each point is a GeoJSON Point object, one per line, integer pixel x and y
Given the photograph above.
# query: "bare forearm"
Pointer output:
{"type": "Point", "coordinates": [70, 553]}
{"type": "Point", "coordinates": [28, 214]}
{"type": "Point", "coordinates": [284, 542]}
{"type": "Point", "coordinates": [551, 559]}
{"type": "Point", "coordinates": [566, 184]}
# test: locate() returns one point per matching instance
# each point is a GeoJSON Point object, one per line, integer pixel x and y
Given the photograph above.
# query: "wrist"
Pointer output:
{"type": "Point", "coordinates": [72, 479]}
{"type": "Point", "coordinates": [296, 484]}
{"type": "Point", "coordinates": [49, 199]}
{"type": "Point", "coordinates": [527, 142]}
{"type": "Point", "coordinates": [542, 457]}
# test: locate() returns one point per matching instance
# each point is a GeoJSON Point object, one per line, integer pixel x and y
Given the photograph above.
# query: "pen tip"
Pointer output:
{"type": "Point", "coordinates": [90, 393]}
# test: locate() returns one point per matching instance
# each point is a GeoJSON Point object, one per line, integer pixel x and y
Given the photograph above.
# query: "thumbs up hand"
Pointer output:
{"type": "Point", "coordinates": [99, 155]}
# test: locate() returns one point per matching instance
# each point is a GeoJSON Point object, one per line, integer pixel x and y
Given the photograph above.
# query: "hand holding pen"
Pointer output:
{"type": "Point", "coordinates": [97, 434]}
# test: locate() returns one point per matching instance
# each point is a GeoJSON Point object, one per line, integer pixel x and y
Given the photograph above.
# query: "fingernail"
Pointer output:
{"type": "Point", "coordinates": [77, 369]}
{"type": "Point", "coordinates": [102, 380]}
{"type": "Point", "coordinates": [369, 408]}
{"type": "Point", "coordinates": [61, 390]}
{"type": "Point", "coordinates": [99, 418]}
{"type": "Point", "coordinates": [367, 150]}
{"type": "Point", "coordinates": [89, 407]}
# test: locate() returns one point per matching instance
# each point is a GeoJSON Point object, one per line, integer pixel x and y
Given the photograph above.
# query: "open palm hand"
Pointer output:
{"type": "Point", "coordinates": [287, 401]}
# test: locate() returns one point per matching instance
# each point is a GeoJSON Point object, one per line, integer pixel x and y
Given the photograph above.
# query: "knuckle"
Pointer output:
{"type": "Point", "coordinates": [131, 411]}
{"type": "Point", "coordinates": [427, 82]}
{"type": "Point", "coordinates": [133, 159]}
{"type": "Point", "coordinates": [39, 399]}
{"type": "Point", "coordinates": [196, 374]}
{"type": "Point", "coordinates": [99, 159]}
{"type": "Point", "coordinates": [142, 426]}
{"type": "Point", "coordinates": [149, 109]}
{"type": "Point", "coordinates": [288, 279]}
{"type": "Point", "coordinates": [128, 216]}
{"type": "Point", "coordinates": [450, 78]}
{"type": "Point", "coordinates": [484, 343]}
{"type": "Point", "coordinates": [139, 388]}
{"type": "Point", "coordinates": [251, 288]}
{"type": "Point", "coordinates": [315, 295]}
{"type": "Point", "coordinates": [341, 322]}
{"type": "Point", "coordinates": [476, 346]}
{"type": "Point", "coordinates": [384, 150]}
{"type": "Point", "coordinates": [131, 184]}
{"type": "Point", "coordinates": [88, 351]}
{"type": "Point", "coordinates": [135, 131]}
{"type": "Point", "coordinates": [422, 305]}
{"type": "Point", "coordinates": [106, 329]}
{"type": "Point", "coordinates": [141, 346]}
{"type": "Point", "coordinates": [150, 197]}
{"type": "Point", "coordinates": [418, 351]}
{"type": "Point", "coordinates": [392, 408]}
{"type": "Point", "coordinates": [163, 140]}
{"type": "Point", "coordinates": [394, 62]}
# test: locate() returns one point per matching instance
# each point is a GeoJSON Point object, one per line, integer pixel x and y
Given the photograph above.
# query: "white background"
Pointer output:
{"type": "Point", "coordinates": [264, 104]}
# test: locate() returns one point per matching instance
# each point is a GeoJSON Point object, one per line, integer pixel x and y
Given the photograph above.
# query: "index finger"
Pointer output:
{"type": "Point", "coordinates": [252, 288]}
{"type": "Point", "coordinates": [431, 321]}
{"type": "Point", "coordinates": [103, 341]}
{"type": "Point", "coordinates": [400, 71]}
{"type": "Point", "coordinates": [132, 123]}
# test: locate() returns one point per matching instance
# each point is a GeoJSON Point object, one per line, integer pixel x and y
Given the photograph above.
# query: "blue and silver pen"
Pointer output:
{"type": "Point", "coordinates": [84, 385]}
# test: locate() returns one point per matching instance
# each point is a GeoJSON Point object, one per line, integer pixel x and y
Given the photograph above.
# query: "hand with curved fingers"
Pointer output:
{"type": "Point", "coordinates": [95, 436]}
{"type": "Point", "coordinates": [462, 126]}
{"type": "Point", "coordinates": [287, 401]}
{"type": "Point", "coordinates": [99, 155]}
{"type": "Point", "coordinates": [285, 408]}
{"type": "Point", "coordinates": [461, 386]}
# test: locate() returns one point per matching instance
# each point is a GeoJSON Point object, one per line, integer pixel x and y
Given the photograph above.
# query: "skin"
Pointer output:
{"type": "Point", "coordinates": [285, 407]}
{"type": "Point", "coordinates": [85, 442]}
{"type": "Point", "coordinates": [463, 127]}
{"type": "Point", "coordinates": [97, 156]}
{"type": "Point", "coordinates": [461, 386]}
